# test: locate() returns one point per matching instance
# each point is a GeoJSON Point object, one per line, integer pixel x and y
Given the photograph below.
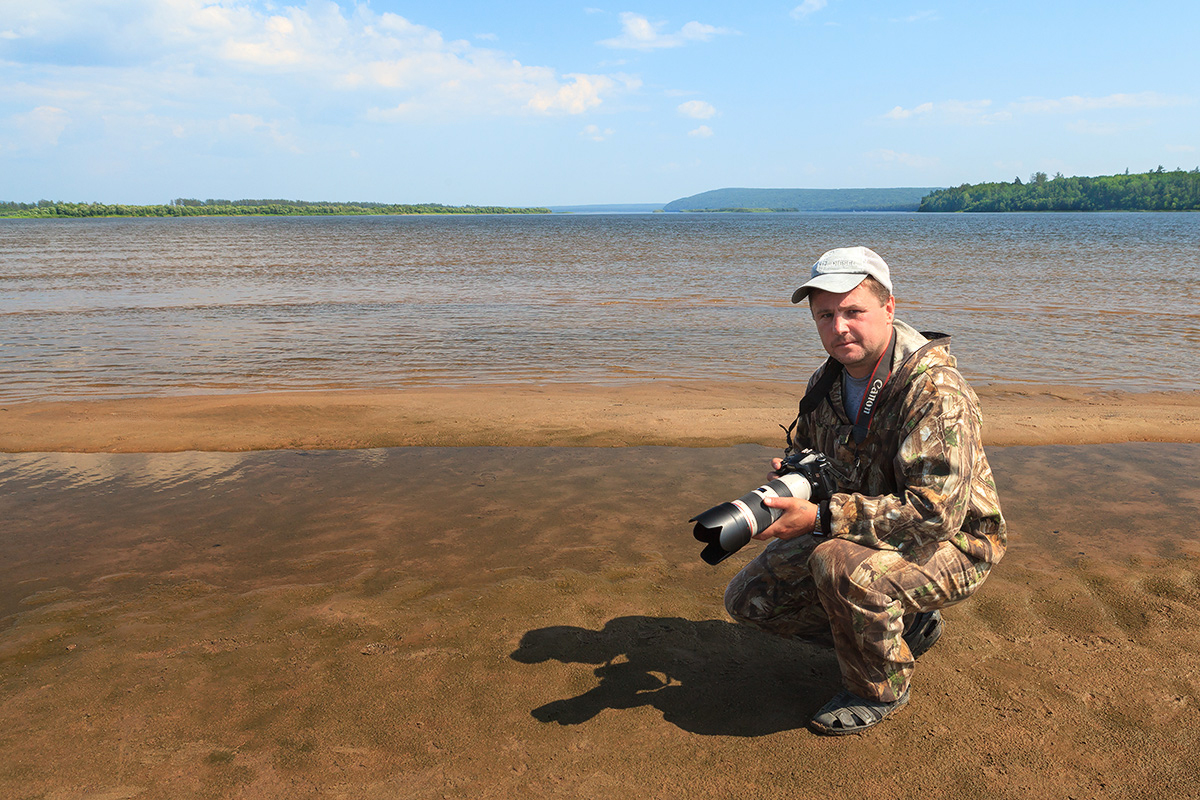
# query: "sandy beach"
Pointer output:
{"type": "Point", "coordinates": [666, 413]}
{"type": "Point", "coordinates": [494, 592]}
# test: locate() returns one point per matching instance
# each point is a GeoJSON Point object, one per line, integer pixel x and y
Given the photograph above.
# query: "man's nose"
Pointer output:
{"type": "Point", "coordinates": [840, 324]}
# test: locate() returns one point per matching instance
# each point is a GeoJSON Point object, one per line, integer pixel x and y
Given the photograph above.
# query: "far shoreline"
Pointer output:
{"type": "Point", "coordinates": [661, 413]}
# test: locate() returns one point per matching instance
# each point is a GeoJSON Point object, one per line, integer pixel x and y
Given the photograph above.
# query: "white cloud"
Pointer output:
{"type": "Point", "coordinates": [639, 33]}
{"type": "Point", "coordinates": [972, 112]}
{"type": "Point", "coordinates": [583, 93]}
{"type": "Point", "coordinates": [808, 7]}
{"type": "Point", "coordinates": [1095, 128]}
{"type": "Point", "coordinates": [905, 113]}
{"type": "Point", "coordinates": [1076, 103]}
{"type": "Point", "coordinates": [957, 112]}
{"type": "Point", "coordinates": [697, 109]}
{"type": "Point", "coordinates": [320, 59]}
{"type": "Point", "coordinates": [249, 131]}
{"type": "Point", "coordinates": [981, 112]}
{"type": "Point", "coordinates": [43, 125]}
{"type": "Point", "coordinates": [903, 159]}
{"type": "Point", "coordinates": [699, 32]}
{"type": "Point", "coordinates": [596, 133]}
{"type": "Point", "coordinates": [252, 125]}
{"type": "Point", "coordinates": [702, 132]}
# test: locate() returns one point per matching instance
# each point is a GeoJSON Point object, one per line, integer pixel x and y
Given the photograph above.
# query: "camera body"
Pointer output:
{"type": "Point", "coordinates": [727, 528]}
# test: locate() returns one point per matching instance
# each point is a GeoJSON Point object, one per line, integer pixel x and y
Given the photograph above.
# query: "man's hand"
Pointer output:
{"type": "Point", "coordinates": [799, 517]}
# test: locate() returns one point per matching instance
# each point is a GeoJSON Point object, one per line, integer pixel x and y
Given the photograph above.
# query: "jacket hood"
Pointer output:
{"type": "Point", "coordinates": [913, 346]}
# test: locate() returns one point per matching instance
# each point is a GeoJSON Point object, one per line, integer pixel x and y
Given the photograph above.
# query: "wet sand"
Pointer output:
{"type": "Point", "coordinates": [535, 621]}
{"type": "Point", "coordinates": [659, 413]}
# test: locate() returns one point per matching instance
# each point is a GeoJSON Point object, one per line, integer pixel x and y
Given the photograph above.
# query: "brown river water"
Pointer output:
{"type": "Point", "coordinates": [143, 307]}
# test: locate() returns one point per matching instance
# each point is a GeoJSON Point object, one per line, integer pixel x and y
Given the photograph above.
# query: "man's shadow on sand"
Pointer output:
{"type": "Point", "coordinates": [708, 677]}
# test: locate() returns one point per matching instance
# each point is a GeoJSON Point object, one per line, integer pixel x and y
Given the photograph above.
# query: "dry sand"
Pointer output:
{"type": "Point", "coordinates": [476, 622]}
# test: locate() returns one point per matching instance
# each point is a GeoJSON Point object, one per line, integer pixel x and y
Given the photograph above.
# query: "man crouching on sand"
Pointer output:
{"type": "Point", "coordinates": [915, 524]}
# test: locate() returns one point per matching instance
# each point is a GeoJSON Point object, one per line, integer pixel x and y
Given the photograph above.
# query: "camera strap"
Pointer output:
{"type": "Point", "coordinates": [879, 378]}
{"type": "Point", "coordinates": [824, 385]}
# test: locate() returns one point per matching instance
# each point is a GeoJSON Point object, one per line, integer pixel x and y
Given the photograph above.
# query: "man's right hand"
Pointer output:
{"type": "Point", "coordinates": [798, 518]}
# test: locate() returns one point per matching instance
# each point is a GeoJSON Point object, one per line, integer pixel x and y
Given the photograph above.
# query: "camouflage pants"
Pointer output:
{"type": "Point", "coordinates": [854, 597]}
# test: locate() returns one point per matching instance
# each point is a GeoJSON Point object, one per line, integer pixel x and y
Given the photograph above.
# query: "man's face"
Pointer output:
{"type": "Point", "coordinates": [855, 327]}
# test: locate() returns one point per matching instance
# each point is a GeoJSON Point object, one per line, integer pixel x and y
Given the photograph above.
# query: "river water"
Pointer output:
{"type": "Point", "coordinates": [143, 307]}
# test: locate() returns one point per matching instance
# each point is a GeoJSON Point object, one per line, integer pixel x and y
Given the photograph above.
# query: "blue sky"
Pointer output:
{"type": "Point", "coordinates": [552, 103]}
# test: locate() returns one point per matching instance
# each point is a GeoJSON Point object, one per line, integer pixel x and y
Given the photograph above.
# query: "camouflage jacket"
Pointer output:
{"type": "Point", "coordinates": [920, 476]}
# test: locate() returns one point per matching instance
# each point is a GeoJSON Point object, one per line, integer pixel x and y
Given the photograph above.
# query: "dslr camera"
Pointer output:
{"type": "Point", "coordinates": [727, 528]}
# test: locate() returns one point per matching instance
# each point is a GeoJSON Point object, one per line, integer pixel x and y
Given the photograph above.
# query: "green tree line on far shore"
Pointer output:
{"type": "Point", "coordinates": [186, 207]}
{"type": "Point", "coordinates": [1158, 190]}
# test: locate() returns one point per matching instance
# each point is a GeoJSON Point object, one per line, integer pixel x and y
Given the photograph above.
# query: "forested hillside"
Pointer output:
{"type": "Point", "coordinates": [1159, 190]}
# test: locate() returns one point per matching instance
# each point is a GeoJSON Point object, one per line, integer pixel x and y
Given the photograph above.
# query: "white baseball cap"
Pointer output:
{"type": "Point", "coordinates": [842, 269]}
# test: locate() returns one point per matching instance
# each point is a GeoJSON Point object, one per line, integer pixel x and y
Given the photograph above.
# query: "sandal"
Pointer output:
{"type": "Point", "coordinates": [848, 713]}
{"type": "Point", "coordinates": [923, 631]}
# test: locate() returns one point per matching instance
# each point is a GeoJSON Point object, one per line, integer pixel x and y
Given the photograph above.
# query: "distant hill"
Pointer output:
{"type": "Point", "coordinates": [898, 199]}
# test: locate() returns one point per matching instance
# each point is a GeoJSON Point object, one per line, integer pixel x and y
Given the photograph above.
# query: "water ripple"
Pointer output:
{"type": "Point", "coordinates": [109, 308]}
